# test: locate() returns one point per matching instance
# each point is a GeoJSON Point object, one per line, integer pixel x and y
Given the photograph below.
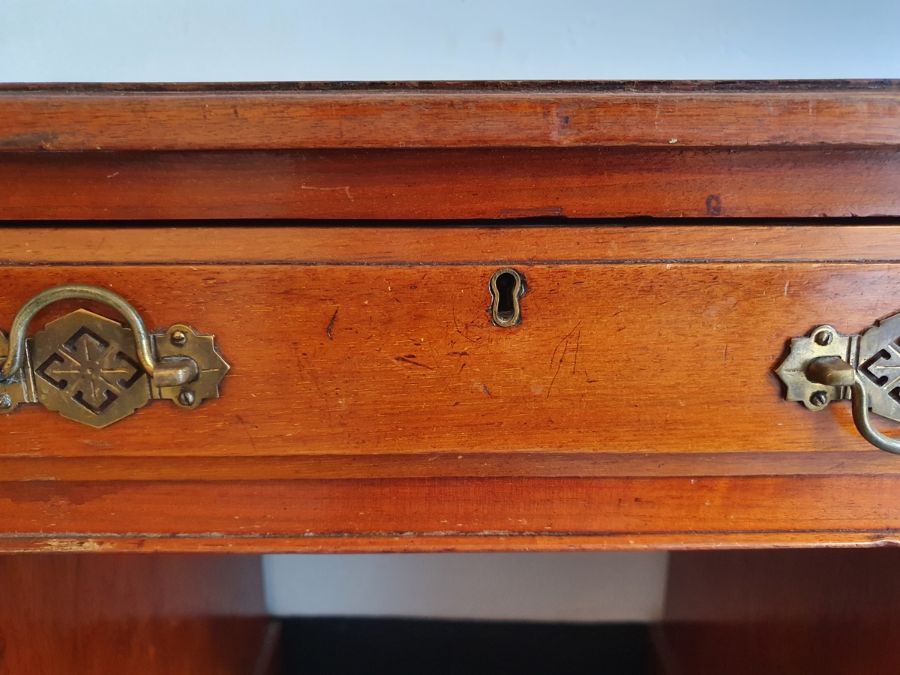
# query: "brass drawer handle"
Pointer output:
{"type": "Point", "coordinates": [96, 371]}
{"type": "Point", "coordinates": [827, 366]}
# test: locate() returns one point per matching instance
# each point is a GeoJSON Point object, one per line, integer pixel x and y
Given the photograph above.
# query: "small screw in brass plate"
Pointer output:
{"type": "Point", "coordinates": [507, 286]}
{"type": "Point", "coordinates": [97, 371]}
{"type": "Point", "coordinates": [15, 392]}
{"type": "Point", "coordinates": [181, 340]}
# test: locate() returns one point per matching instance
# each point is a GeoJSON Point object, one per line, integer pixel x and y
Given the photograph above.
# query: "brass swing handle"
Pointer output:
{"type": "Point", "coordinates": [834, 371]}
{"type": "Point", "coordinates": [97, 371]}
{"type": "Point", "coordinates": [827, 366]}
{"type": "Point", "coordinates": [171, 372]}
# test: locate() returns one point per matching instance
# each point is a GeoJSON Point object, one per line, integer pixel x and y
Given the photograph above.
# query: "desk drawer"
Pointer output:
{"type": "Point", "coordinates": [373, 403]}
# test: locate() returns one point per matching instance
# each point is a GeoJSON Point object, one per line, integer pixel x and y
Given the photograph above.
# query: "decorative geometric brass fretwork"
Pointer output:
{"type": "Point", "coordinates": [879, 359]}
{"type": "Point", "coordinates": [88, 370]}
{"type": "Point", "coordinates": [97, 371]}
{"type": "Point", "coordinates": [92, 371]}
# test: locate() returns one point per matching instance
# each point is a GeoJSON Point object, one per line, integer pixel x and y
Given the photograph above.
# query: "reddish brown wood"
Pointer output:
{"type": "Point", "coordinates": [450, 152]}
{"type": "Point", "coordinates": [827, 612]}
{"type": "Point", "coordinates": [392, 359]}
{"type": "Point", "coordinates": [410, 246]}
{"type": "Point", "coordinates": [541, 464]}
{"type": "Point", "coordinates": [415, 542]}
{"type": "Point", "coordinates": [171, 615]}
{"type": "Point", "coordinates": [450, 513]}
{"type": "Point", "coordinates": [453, 183]}
{"type": "Point", "coordinates": [371, 397]}
{"type": "Point", "coordinates": [372, 405]}
{"type": "Point", "coordinates": [131, 118]}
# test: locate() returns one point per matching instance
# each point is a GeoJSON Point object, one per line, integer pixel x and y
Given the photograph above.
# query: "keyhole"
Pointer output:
{"type": "Point", "coordinates": [507, 286]}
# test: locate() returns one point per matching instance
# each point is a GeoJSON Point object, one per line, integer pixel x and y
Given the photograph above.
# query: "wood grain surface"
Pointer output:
{"type": "Point", "coordinates": [378, 343]}
{"type": "Point", "coordinates": [431, 151]}
{"type": "Point", "coordinates": [403, 359]}
{"type": "Point", "coordinates": [372, 405]}
{"type": "Point", "coordinates": [88, 118]}
{"type": "Point", "coordinates": [368, 360]}
{"type": "Point", "coordinates": [491, 183]}
{"type": "Point", "coordinates": [351, 244]}
{"type": "Point", "coordinates": [829, 612]}
{"type": "Point", "coordinates": [450, 514]}
{"type": "Point", "coordinates": [158, 615]}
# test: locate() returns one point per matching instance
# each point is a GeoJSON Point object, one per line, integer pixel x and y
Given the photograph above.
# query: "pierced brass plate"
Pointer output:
{"type": "Point", "coordinates": [86, 369]}
{"type": "Point", "coordinates": [96, 371]}
{"type": "Point", "coordinates": [826, 366]}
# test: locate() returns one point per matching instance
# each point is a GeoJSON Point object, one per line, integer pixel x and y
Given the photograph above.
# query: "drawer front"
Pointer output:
{"type": "Point", "coordinates": [373, 403]}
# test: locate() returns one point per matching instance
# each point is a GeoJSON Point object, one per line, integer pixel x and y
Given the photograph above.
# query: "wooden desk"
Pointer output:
{"type": "Point", "coordinates": [339, 242]}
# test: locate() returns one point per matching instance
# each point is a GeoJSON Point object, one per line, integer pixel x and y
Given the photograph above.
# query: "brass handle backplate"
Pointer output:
{"type": "Point", "coordinates": [97, 371]}
{"type": "Point", "coordinates": [827, 366]}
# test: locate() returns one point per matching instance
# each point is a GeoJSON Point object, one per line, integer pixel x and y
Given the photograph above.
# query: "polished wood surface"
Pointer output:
{"type": "Point", "coordinates": [443, 514]}
{"type": "Point", "coordinates": [642, 356]}
{"type": "Point", "coordinates": [155, 615]}
{"type": "Point", "coordinates": [404, 359]}
{"type": "Point", "coordinates": [230, 117]}
{"type": "Point", "coordinates": [372, 405]}
{"type": "Point", "coordinates": [351, 244]}
{"type": "Point", "coordinates": [427, 151]}
{"type": "Point", "coordinates": [493, 183]}
{"type": "Point", "coordinates": [829, 612]}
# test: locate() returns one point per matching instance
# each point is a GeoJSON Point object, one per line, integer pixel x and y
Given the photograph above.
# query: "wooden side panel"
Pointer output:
{"type": "Point", "coordinates": [492, 183]}
{"type": "Point", "coordinates": [160, 615]}
{"type": "Point", "coordinates": [829, 612]}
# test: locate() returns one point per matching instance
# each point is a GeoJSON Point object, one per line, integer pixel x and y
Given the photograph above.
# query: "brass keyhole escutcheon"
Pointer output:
{"type": "Point", "coordinates": [507, 288]}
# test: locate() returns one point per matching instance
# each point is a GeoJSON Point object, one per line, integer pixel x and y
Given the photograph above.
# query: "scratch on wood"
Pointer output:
{"type": "Point", "coordinates": [329, 329]}
{"type": "Point", "coordinates": [456, 324]}
{"type": "Point", "coordinates": [409, 359]}
{"type": "Point", "coordinates": [577, 350]}
{"type": "Point", "coordinates": [564, 343]}
{"type": "Point", "coordinates": [535, 212]}
{"type": "Point", "coordinates": [43, 140]}
{"type": "Point", "coordinates": [243, 425]}
{"type": "Point", "coordinates": [342, 188]}
{"type": "Point", "coordinates": [66, 545]}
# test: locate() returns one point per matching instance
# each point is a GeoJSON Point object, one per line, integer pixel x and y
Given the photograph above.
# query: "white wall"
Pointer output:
{"type": "Point", "coordinates": [492, 586]}
{"type": "Point", "coordinates": [221, 40]}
